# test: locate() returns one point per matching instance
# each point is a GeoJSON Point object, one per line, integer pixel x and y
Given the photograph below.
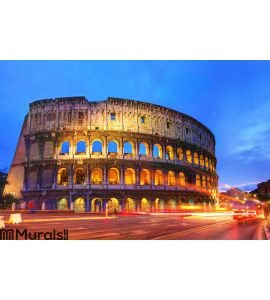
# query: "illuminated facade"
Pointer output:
{"type": "Point", "coordinates": [129, 155]}
{"type": "Point", "coordinates": [264, 190]}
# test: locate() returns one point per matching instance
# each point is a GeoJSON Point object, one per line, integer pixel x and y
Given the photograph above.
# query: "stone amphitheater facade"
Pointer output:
{"type": "Point", "coordinates": [122, 154]}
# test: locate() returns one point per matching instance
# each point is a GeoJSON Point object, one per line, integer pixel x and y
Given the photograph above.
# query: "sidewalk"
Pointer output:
{"type": "Point", "coordinates": [267, 232]}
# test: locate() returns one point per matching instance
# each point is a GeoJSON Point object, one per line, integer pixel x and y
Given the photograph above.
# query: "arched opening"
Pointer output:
{"type": "Point", "coordinates": [203, 182]}
{"type": "Point", "coordinates": [112, 147]}
{"type": "Point", "coordinates": [143, 149]}
{"type": "Point", "coordinates": [208, 183]}
{"type": "Point", "coordinates": [48, 149]}
{"type": "Point", "coordinates": [145, 177]}
{"type": "Point", "coordinates": [32, 204]}
{"type": "Point", "coordinates": [157, 208]}
{"type": "Point", "coordinates": [113, 176]}
{"type": "Point", "coordinates": [191, 201]}
{"type": "Point", "coordinates": [182, 179]}
{"type": "Point", "coordinates": [79, 205]}
{"type": "Point", "coordinates": [129, 205]}
{"type": "Point", "coordinates": [130, 176]}
{"type": "Point", "coordinates": [199, 201]}
{"type": "Point", "coordinates": [169, 153]}
{"type": "Point", "coordinates": [128, 148]}
{"type": "Point", "coordinates": [198, 180]}
{"type": "Point", "coordinates": [189, 156]}
{"type": "Point", "coordinates": [180, 153]}
{"type": "Point", "coordinates": [171, 205]}
{"type": "Point", "coordinates": [47, 178]}
{"type": "Point", "coordinates": [62, 204]}
{"type": "Point", "coordinates": [159, 177]}
{"type": "Point", "coordinates": [184, 200]}
{"type": "Point", "coordinates": [33, 179]}
{"type": "Point", "coordinates": [157, 151]}
{"type": "Point", "coordinates": [171, 178]}
{"type": "Point", "coordinates": [201, 160]}
{"type": "Point", "coordinates": [96, 176]}
{"type": "Point", "coordinates": [96, 147]}
{"type": "Point", "coordinates": [62, 176]}
{"type": "Point", "coordinates": [210, 166]}
{"type": "Point", "coordinates": [81, 147]}
{"type": "Point", "coordinates": [96, 205]}
{"type": "Point", "coordinates": [79, 176]}
{"type": "Point", "coordinates": [34, 151]}
{"type": "Point", "coordinates": [113, 205]}
{"type": "Point", "coordinates": [144, 205]}
{"type": "Point", "coordinates": [161, 205]}
{"type": "Point", "coordinates": [65, 148]}
{"type": "Point", "coordinates": [196, 158]}
{"type": "Point", "coordinates": [23, 205]}
{"type": "Point", "coordinates": [206, 162]}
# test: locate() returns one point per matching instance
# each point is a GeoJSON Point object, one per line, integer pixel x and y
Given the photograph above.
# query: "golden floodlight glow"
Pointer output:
{"type": "Point", "coordinates": [85, 156]}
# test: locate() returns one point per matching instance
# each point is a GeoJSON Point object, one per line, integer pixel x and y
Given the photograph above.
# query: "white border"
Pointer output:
{"type": "Point", "coordinates": [134, 30]}
{"type": "Point", "coordinates": [134, 270]}
{"type": "Point", "coordinates": [122, 29]}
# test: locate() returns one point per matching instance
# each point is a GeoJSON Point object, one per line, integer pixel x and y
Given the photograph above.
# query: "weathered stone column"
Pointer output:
{"type": "Point", "coordinates": [71, 176]}
{"type": "Point", "coordinates": [137, 148]}
{"type": "Point", "coordinates": [138, 176]}
{"type": "Point", "coordinates": [70, 200]}
{"type": "Point", "coordinates": [122, 175]}
{"type": "Point", "coordinates": [151, 149]}
{"type": "Point", "coordinates": [87, 203]}
{"type": "Point", "coordinates": [105, 147]}
{"type": "Point", "coordinates": [105, 179]}
{"type": "Point", "coordinates": [25, 179]}
{"type": "Point", "coordinates": [152, 173]}
{"type": "Point", "coordinates": [54, 177]}
{"type": "Point", "coordinates": [39, 180]}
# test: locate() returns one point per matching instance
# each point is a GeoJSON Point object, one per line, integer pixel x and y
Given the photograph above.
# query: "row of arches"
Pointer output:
{"type": "Point", "coordinates": [129, 204]}
{"type": "Point", "coordinates": [158, 152]}
{"type": "Point", "coordinates": [113, 177]}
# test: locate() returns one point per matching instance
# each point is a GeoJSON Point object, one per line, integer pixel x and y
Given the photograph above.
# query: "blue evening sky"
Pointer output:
{"type": "Point", "coordinates": [232, 98]}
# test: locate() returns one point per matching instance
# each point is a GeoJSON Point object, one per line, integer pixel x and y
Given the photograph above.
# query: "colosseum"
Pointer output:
{"type": "Point", "coordinates": [126, 155]}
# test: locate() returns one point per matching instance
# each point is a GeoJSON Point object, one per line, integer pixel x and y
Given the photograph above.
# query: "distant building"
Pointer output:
{"type": "Point", "coordinates": [236, 193]}
{"type": "Point", "coordinates": [264, 190]}
{"type": "Point", "coordinates": [232, 196]}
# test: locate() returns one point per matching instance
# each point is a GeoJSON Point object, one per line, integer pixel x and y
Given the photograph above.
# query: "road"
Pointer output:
{"type": "Point", "coordinates": [143, 227]}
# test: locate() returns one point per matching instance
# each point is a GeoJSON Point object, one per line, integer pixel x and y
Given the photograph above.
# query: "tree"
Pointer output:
{"type": "Point", "coordinates": [7, 200]}
{"type": "Point", "coordinates": [3, 182]}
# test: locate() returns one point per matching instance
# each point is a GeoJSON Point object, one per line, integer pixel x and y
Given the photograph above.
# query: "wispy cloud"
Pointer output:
{"type": "Point", "coordinates": [251, 137]}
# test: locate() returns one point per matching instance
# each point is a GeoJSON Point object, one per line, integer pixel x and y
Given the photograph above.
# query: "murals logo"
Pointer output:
{"type": "Point", "coordinates": [16, 234]}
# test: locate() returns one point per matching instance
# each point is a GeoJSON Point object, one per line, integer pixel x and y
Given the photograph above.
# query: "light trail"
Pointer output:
{"type": "Point", "coordinates": [66, 219]}
{"type": "Point", "coordinates": [192, 230]}
{"type": "Point", "coordinates": [199, 214]}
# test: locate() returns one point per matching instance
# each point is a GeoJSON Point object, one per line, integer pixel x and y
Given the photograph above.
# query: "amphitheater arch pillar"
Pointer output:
{"type": "Point", "coordinates": [138, 176]}
{"type": "Point", "coordinates": [105, 181]}
{"type": "Point", "coordinates": [122, 175]}
{"type": "Point", "coordinates": [151, 149]}
{"type": "Point", "coordinates": [137, 148]}
{"type": "Point", "coordinates": [105, 146]}
{"type": "Point", "coordinates": [70, 202]}
{"type": "Point", "coordinates": [87, 203]}
{"type": "Point", "coordinates": [121, 147]}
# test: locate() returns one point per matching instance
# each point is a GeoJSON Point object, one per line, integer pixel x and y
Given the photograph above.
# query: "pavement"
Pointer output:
{"type": "Point", "coordinates": [267, 232]}
{"type": "Point", "coordinates": [143, 227]}
{"type": "Point", "coordinates": [267, 228]}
